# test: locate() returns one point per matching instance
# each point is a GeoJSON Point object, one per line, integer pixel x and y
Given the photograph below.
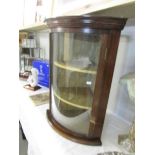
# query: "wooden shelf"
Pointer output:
{"type": "Point", "coordinates": [101, 7]}
{"type": "Point", "coordinates": [76, 97]}
{"type": "Point", "coordinates": [115, 8]}
{"type": "Point", "coordinates": [90, 70]}
{"type": "Point", "coordinates": [120, 11]}
{"type": "Point", "coordinates": [34, 27]}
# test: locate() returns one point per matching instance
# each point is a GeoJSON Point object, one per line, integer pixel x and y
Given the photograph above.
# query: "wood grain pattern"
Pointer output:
{"type": "Point", "coordinates": [103, 84]}
{"type": "Point", "coordinates": [83, 139]}
{"type": "Point", "coordinates": [109, 31]}
{"type": "Point", "coordinates": [86, 21]}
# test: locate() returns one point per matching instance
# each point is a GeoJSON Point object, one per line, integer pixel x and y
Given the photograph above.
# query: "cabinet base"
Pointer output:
{"type": "Point", "coordinates": [71, 135]}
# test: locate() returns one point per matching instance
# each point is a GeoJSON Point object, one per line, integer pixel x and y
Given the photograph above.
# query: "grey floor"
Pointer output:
{"type": "Point", "coordinates": [22, 144]}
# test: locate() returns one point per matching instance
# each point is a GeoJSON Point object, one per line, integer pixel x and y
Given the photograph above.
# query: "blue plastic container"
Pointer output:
{"type": "Point", "coordinates": [43, 69]}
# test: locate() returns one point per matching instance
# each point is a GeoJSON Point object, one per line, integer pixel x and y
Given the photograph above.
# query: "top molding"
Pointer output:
{"type": "Point", "coordinates": [94, 22]}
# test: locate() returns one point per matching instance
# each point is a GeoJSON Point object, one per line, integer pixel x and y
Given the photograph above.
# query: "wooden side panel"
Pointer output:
{"type": "Point", "coordinates": [103, 82]}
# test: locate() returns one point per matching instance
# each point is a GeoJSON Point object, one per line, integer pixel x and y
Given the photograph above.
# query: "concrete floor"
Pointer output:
{"type": "Point", "coordinates": [22, 144]}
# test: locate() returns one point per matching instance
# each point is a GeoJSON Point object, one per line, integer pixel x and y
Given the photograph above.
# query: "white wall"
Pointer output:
{"type": "Point", "coordinates": [21, 13]}
{"type": "Point", "coordinates": [119, 102]}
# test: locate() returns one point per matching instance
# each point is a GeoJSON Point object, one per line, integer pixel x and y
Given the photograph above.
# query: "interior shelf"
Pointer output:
{"type": "Point", "coordinates": [75, 96]}
{"type": "Point", "coordinates": [28, 57]}
{"type": "Point", "coordinates": [88, 70]}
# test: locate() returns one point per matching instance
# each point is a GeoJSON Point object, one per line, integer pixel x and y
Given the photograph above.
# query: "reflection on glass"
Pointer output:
{"type": "Point", "coordinates": [75, 60]}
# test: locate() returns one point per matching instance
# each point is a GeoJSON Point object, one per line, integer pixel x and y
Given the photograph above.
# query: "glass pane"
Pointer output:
{"type": "Point", "coordinates": [75, 61]}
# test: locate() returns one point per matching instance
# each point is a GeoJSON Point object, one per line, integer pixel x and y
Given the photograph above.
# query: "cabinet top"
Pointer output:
{"type": "Point", "coordinates": [96, 22]}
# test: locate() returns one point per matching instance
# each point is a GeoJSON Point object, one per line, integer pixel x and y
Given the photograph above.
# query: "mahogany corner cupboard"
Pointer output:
{"type": "Point", "coordinates": [83, 51]}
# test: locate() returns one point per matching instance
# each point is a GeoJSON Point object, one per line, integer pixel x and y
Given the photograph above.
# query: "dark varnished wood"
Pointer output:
{"type": "Point", "coordinates": [103, 84]}
{"type": "Point", "coordinates": [86, 21]}
{"type": "Point", "coordinates": [109, 30]}
{"type": "Point", "coordinates": [69, 134]}
{"type": "Point", "coordinates": [85, 30]}
{"type": "Point", "coordinates": [98, 109]}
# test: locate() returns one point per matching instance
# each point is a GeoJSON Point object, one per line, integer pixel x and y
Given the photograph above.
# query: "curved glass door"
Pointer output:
{"type": "Point", "coordinates": [75, 61]}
